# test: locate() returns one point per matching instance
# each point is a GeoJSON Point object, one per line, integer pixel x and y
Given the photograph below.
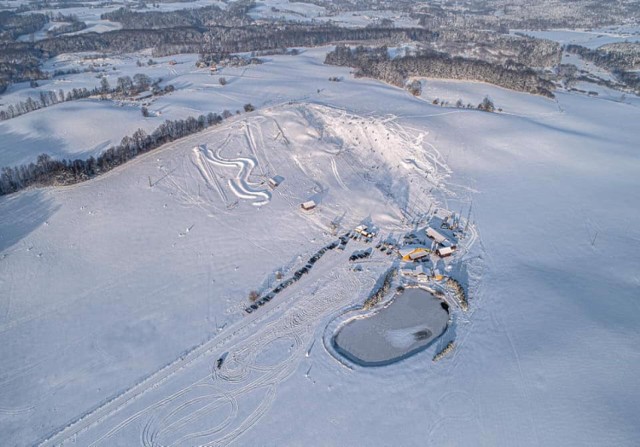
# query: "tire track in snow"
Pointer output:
{"type": "Point", "coordinates": [231, 335]}
{"type": "Point", "coordinates": [336, 174]}
{"type": "Point", "coordinates": [243, 375]}
{"type": "Point", "coordinates": [240, 186]}
{"type": "Point", "coordinates": [208, 174]}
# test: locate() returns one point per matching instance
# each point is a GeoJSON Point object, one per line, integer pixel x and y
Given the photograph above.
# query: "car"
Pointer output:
{"type": "Point", "coordinates": [254, 306]}
{"type": "Point", "coordinates": [248, 310]}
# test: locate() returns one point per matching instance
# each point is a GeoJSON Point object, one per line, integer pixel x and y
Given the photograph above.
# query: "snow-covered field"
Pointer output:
{"type": "Point", "coordinates": [305, 12]}
{"type": "Point", "coordinates": [197, 92]}
{"type": "Point", "coordinates": [90, 12]}
{"type": "Point", "coordinates": [117, 297]}
{"type": "Point", "coordinates": [589, 38]}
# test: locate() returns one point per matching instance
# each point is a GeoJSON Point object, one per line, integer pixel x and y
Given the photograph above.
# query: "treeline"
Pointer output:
{"type": "Point", "coordinates": [47, 171]}
{"type": "Point", "coordinates": [223, 39]}
{"type": "Point", "coordinates": [500, 48]}
{"type": "Point", "coordinates": [66, 28]}
{"type": "Point", "coordinates": [630, 79]}
{"type": "Point", "coordinates": [126, 87]}
{"type": "Point", "coordinates": [376, 63]}
{"type": "Point", "coordinates": [618, 56]}
{"type": "Point", "coordinates": [257, 38]}
{"type": "Point", "coordinates": [45, 99]}
{"type": "Point", "coordinates": [13, 25]}
{"type": "Point", "coordinates": [235, 14]}
{"type": "Point", "coordinates": [158, 19]}
{"type": "Point", "coordinates": [19, 61]}
{"type": "Point", "coordinates": [540, 14]}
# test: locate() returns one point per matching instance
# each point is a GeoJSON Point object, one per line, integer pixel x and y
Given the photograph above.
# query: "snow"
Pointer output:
{"type": "Point", "coordinates": [588, 38]}
{"type": "Point", "coordinates": [73, 131]}
{"type": "Point", "coordinates": [117, 298]}
{"type": "Point", "coordinates": [90, 12]}
{"type": "Point", "coordinates": [309, 12]}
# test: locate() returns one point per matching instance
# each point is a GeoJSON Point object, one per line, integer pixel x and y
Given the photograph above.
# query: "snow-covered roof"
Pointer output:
{"type": "Point", "coordinates": [444, 251]}
{"type": "Point", "coordinates": [443, 213]}
{"type": "Point", "coordinates": [309, 204]}
{"type": "Point", "coordinates": [435, 235]}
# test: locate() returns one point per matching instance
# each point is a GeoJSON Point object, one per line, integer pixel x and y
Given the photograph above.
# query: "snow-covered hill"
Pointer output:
{"type": "Point", "coordinates": [118, 295]}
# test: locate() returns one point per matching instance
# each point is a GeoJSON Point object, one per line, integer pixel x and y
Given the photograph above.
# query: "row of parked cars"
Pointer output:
{"type": "Point", "coordinates": [297, 274]}
{"type": "Point", "coordinates": [360, 254]}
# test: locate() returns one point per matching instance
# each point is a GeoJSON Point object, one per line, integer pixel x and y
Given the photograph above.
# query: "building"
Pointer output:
{"type": "Point", "coordinates": [275, 181]}
{"type": "Point", "coordinates": [407, 272]}
{"type": "Point", "coordinates": [143, 95]}
{"type": "Point", "coordinates": [443, 252]}
{"type": "Point", "coordinates": [420, 273]}
{"type": "Point", "coordinates": [309, 205]}
{"type": "Point", "coordinates": [414, 253]}
{"type": "Point", "coordinates": [364, 231]}
{"type": "Point", "coordinates": [443, 214]}
{"type": "Point", "coordinates": [418, 255]}
{"type": "Point", "coordinates": [435, 235]}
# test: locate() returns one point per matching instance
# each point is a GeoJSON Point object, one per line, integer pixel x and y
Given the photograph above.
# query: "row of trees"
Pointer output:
{"type": "Point", "coordinates": [45, 99]}
{"type": "Point", "coordinates": [47, 171]}
{"type": "Point", "coordinates": [376, 63]}
{"type": "Point", "coordinates": [125, 87]}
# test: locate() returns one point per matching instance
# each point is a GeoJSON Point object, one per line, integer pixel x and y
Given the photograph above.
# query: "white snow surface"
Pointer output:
{"type": "Point", "coordinates": [117, 297]}
{"type": "Point", "coordinates": [589, 38]}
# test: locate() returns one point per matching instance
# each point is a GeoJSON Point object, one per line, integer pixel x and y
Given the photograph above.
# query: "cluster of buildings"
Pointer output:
{"type": "Point", "coordinates": [440, 237]}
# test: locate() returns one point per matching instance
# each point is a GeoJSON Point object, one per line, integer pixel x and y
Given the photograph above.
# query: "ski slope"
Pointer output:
{"type": "Point", "coordinates": [118, 295]}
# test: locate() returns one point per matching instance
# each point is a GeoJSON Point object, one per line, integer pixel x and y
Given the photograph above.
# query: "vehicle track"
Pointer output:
{"type": "Point", "coordinates": [241, 186]}
{"type": "Point", "coordinates": [336, 174]}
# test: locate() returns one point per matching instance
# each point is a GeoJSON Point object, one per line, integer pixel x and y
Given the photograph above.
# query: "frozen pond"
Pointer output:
{"type": "Point", "coordinates": [410, 323]}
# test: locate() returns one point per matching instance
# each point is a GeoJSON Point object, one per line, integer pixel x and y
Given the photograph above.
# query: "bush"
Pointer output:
{"type": "Point", "coordinates": [486, 105]}
{"type": "Point", "coordinates": [249, 107]}
{"type": "Point", "coordinates": [415, 88]}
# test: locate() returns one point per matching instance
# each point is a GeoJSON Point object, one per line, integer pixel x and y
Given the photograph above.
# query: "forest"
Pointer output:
{"type": "Point", "coordinates": [615, 56]}
{"type": "Point", "coordinates": [376, 63]}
